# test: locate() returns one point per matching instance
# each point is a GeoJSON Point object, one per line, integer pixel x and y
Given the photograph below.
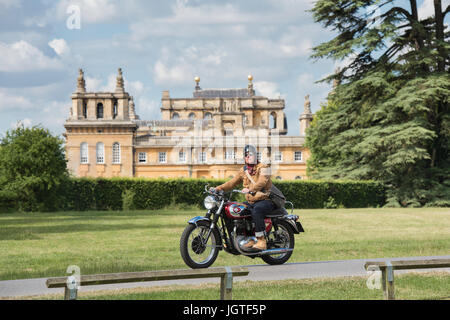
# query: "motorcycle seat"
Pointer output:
{"type": "Point", "coordinates": [277, 213]}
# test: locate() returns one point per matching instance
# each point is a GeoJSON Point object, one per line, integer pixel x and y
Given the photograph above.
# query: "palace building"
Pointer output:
{"type": "Point", "coordinates": [198, 137]}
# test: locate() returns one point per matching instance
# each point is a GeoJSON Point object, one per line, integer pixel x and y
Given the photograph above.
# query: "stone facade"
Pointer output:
{"type": "Point", "coordinates": [198, 137]}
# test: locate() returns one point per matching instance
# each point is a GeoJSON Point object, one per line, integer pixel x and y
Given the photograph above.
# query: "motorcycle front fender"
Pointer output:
{"type": "Point", "coordinates": [208, 222]}
{"type": "Point", "coordinates": [199, 218]}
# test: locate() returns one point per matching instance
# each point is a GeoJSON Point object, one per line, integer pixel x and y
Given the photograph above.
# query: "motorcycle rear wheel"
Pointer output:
{"type": "Point", "coordinates": [285, 240]}
{"type": "Point", "coordinates": [194, 251]}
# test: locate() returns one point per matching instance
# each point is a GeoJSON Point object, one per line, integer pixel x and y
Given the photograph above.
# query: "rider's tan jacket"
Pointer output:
{"type": "Point", "coordinates": [261, 177]}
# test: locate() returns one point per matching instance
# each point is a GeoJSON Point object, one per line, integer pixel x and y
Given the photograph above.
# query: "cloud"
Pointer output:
{"type": "Point", "coordinates": [98, 85]}
{"type": "Point", "coordinates": [267, 89]}
{"type": "Point", "coordinates": [22, 56]}
{"type": "Point", "coordinates": [171, 75]}
{"type": "Point", "coordinates": [9, 102]}
{"type": "Point", "coordinates": [60, 46]}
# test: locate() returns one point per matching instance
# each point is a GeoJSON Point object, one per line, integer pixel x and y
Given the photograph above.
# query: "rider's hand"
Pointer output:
{"type": "Point", "coordinates": [245, 190]}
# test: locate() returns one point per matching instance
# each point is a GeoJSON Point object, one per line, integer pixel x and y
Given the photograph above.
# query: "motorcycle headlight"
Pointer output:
{"type": "Point", "coordinates": [209, 202]}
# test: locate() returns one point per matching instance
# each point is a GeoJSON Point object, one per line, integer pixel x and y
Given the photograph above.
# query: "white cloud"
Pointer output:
{"type": "Point", "coordinates": [22, 56]}
{"type": "Point", "coordinates": [9, 102]}
{"type": "Point", "coordinates": [60, 46]}
{"type": "Point", "coordinates": [135, 88]}
{"type": "Point", "coordinates": [426, 9]}
{"type": "Point", "coordinates": [178, 74]}
{"type": "Point", "coordinates": [267, 89]}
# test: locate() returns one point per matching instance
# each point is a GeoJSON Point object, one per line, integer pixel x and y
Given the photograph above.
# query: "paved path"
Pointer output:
{"type": "Point", "coordinates": [301, 270]}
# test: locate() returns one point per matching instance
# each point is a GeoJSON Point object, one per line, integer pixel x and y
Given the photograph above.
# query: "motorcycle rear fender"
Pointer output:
{"type": "Point", "coordinates": [293, 222]}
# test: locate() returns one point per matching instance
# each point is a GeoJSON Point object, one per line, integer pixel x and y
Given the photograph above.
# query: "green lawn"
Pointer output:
{"type": "Point", "coordinates": [45, 244]}
{"type": "Point", "coordinates": [411, 286]}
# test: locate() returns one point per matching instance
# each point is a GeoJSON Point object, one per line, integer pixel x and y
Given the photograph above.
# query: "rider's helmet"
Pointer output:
{"type": "Point", "coordinates": [249, 149]}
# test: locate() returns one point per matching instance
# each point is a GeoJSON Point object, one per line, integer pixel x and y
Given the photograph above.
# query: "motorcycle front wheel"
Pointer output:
{"type": "Point", "coordinates": [197, 251]}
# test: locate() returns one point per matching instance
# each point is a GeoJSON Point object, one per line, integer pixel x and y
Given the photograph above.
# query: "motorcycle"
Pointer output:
{"type": "Point", "coordinates": [228, 226]}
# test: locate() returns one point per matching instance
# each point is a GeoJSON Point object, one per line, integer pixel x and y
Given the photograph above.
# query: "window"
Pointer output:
{"type": "Point", "coordinates": [84, 153]}
{"type": "Point", "coordinates": [100, 151]}
{"type": "Point", "coordinates": [84, 110]}
{"type": "Point", "coordinates": [142, 157]}
{"type": "Point", "coordinates": [273, 120]}
{"type": "Point", "coordinates": [298, 178]}
{"type": "Point", "coordinates": [208, 116]}
{"type": "Point", "coordinates": [279, 178]}
{"type": "Point", "coordinates": [115, 110]}
{"type": "Point", "coordinates": [202, 157]}
{"type": "Point", "coordinates": [259, 156]}
{"type": "Point", "coordinates": [297, 156]}
{"type": "Point", "coordinates": [116, 152]}
{"type": "Point", "coordinates": [191, 116]}
{"type": "Point", "coordinates": [230, 155]}
{"type": "Point", "coordinates": [278, 156]}
{"type": "Point", "coordinates": [100, 111]}
{"type": "Point", "coordinates": [175, 116]}
{"type": "Point", "coordinates": [181, 156]}
{"type": "Point", "coordinates": [162, 157]}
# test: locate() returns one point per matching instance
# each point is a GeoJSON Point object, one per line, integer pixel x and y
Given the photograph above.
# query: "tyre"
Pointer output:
{"type": "Point", "coordinates": [284, 238]}
{"type": "Point", "coordinates": [194, 251]}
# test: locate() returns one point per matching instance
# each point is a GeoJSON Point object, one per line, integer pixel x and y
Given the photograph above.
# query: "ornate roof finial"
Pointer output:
{"type": "Point", "coordinates": [307, 105]}
{"type": "Point", "coordinates": [119, 82]}
{"type": "Point", "coordinates": [250, 90]}
{"type": "Point", "coordinates": [197, 81]}
{"type": "Point", "coordinates": [81, 84]}
{"type": "Point", "coordinates": [132, 111]}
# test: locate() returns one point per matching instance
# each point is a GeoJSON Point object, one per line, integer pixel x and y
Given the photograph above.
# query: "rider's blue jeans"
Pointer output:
{"type": "Point", "coordinates": [259, 211]}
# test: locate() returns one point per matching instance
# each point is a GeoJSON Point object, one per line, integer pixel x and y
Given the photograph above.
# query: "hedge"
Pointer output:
{"type": "Point", "coordinates": [135, 193]}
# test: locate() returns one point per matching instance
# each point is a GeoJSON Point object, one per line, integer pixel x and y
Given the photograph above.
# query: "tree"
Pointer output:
{"type": "Point", "coordinates": [32, 167]}
{"type": "Point", "coordinates": [388, 119]}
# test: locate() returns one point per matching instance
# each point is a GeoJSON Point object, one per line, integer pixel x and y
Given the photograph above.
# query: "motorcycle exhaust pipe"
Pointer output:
{"type": "Point", "coordinates": [256, 253]}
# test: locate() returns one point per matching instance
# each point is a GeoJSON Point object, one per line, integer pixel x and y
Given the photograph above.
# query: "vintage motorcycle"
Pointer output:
{"type": "Point", "coordinates": [228, 226]}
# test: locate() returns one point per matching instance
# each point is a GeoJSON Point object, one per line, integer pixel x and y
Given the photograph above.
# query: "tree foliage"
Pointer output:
{"type": "Point", "coordinates": [388, 118]}
{"type": "Point", "coordinates": [32, 167]}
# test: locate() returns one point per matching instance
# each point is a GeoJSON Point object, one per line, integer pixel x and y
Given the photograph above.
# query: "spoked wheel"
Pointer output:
{"type": "Point", "coordinates": [282, 238]}
{"type": "Point", "coordinates": [197, 251]}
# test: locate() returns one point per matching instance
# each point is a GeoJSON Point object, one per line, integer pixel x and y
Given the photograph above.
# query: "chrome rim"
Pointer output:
{"type": "Point", "coordinates": [282, 243]}
{"type": "Point", "coordinates": [199, 251]}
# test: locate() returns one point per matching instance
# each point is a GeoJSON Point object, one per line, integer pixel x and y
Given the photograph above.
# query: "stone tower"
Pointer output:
{"type": "Point", "coordinates": [100, 130]}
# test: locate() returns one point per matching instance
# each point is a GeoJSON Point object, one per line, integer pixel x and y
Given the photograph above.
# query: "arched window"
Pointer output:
{"type": "Point", "coordinates": [116, 152]}
{"type": "Point", "coordinates": [208, 116]}
{"type": "Point", "coordinates": [84, 153]}
{"type": "Point", "coordinates": [84, 110]}
{"type": "Point", "coordinates": [99, 111]}
{"type": "Point", "coordinates": [279, 178]}
{"type": "Point", "coordinates": [298, 178]}
{"type": "Point", "coordinates": [191, 116]}
{"type": "Point", "coordinates": [100, 151]}
{"type": "Point", "coordinates": [115, 109]}
{"type": "Point", "coordinates": [175, 116]}
{"type": "Point", "coordinates": [273, 120]}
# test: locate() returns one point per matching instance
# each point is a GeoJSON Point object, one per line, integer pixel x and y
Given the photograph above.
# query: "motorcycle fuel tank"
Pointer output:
{"type": "Point", "coordinates": [236, 210]}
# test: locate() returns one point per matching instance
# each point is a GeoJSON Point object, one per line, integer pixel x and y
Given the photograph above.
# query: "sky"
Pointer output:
{"type": "Point", "coordinates": [160, 45]}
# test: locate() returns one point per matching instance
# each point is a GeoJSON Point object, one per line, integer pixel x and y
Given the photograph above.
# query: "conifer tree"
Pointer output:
{"type": "Point", "coordinates": [388, 119]}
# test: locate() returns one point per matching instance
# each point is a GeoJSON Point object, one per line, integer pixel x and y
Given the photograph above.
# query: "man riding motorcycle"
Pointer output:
{"type": "Point", "coordinates": [255, 178]}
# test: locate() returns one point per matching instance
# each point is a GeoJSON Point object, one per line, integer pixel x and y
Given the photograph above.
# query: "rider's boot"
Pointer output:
{"type": "Point", "coordinates": [249, 244]}
{"type": "Point", "coordinates": [261, 244]}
